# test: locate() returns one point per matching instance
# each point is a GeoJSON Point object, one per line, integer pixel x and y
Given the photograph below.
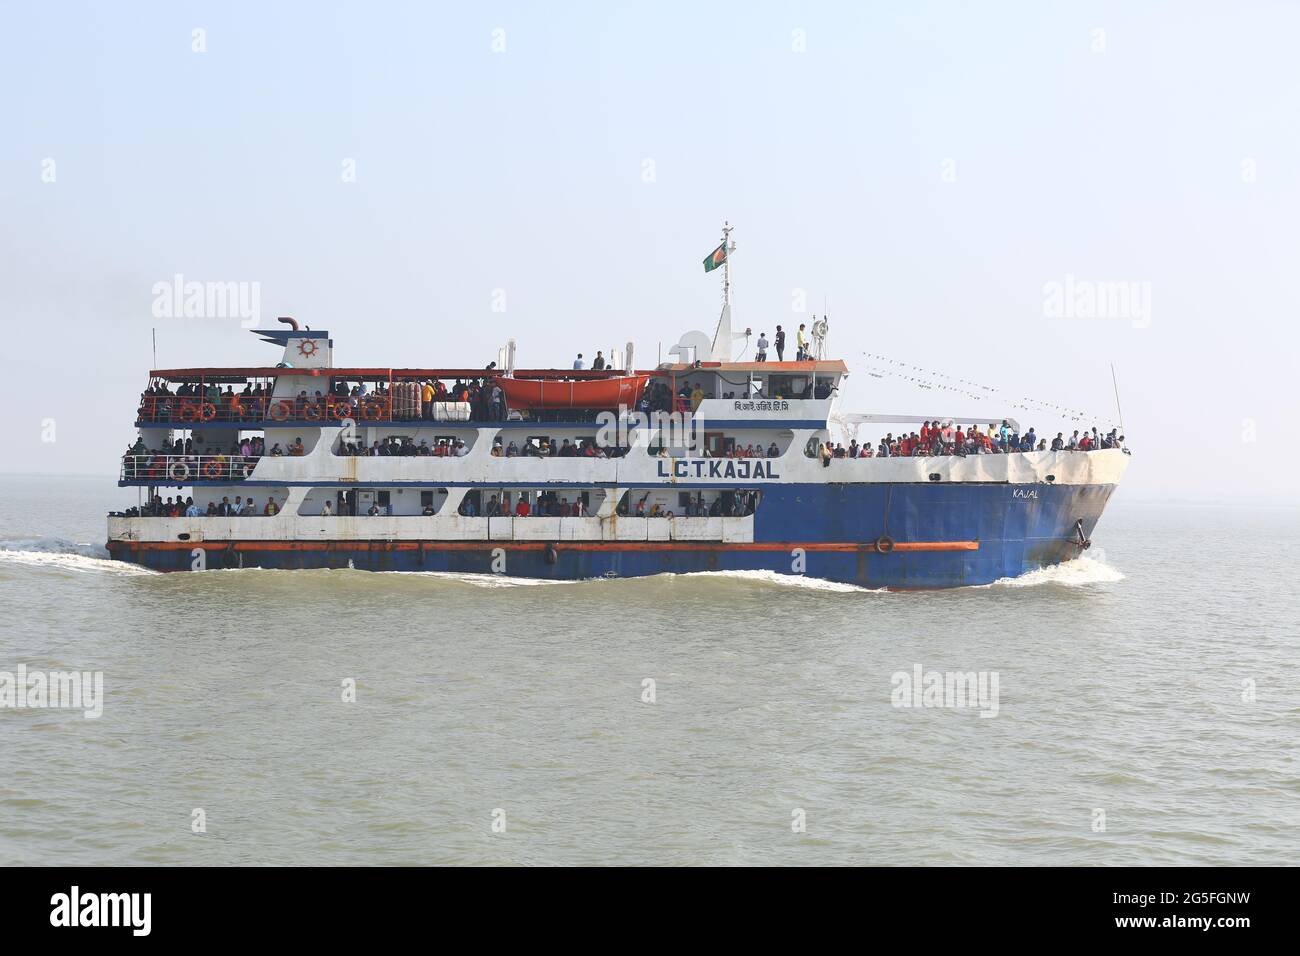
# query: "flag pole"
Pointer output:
{"type": "Point", "coordinates": [726, 267]}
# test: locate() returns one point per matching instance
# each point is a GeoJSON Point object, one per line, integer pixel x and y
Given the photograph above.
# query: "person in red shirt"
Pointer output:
{"type": "Point", "coordinates": [925, 434]}
{"type": "Point", "coordinates": [522, 509]}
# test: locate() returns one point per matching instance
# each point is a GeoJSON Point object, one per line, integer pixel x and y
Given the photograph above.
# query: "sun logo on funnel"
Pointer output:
{"type": "Point", "coordinates": [307, 347]}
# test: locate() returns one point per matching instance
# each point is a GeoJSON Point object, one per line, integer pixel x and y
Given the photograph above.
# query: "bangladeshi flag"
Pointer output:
{"type": "Point", "coordinates": [715, 258]}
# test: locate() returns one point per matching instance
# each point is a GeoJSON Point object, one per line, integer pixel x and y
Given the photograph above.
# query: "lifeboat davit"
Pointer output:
{"type": "Point", "coordinates": [526, 393]}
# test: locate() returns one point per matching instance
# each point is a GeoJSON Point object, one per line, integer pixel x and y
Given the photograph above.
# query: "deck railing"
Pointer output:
{"type": "Point", "coordinates": [196, 411]}
{"type": "Point", "coordinates": [165, 469]}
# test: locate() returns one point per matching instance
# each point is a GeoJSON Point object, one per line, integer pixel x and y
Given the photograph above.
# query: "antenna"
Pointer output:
{"type": "Point", "coordinates": [155, 347]}
{"type": "Point", "coordinates": [1115, 382]}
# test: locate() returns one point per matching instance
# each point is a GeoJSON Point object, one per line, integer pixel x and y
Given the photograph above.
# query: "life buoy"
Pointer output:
{"type": "Point", "coordinates": [189, 413]}
{"type": "Point", "coordinates": [207, 411]}
{"type": "Point", "coordinates": [341, 410]}
{"type": "Point", "coordinates": [179, 471]}
{"type": "Point", "coordinates": [313, 413]}
{"type": "Point", "coordinates": [212, 470]}
{"type": "Point", "coordinates": [376, 411]}
{"type": "Point", "coordinates": [884, 544]}
{"type": "Point", "coordinates": [280, 411]}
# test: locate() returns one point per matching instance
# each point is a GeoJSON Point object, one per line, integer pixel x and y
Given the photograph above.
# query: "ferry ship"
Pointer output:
{"type": "Point", "coordinates": [573, 474]}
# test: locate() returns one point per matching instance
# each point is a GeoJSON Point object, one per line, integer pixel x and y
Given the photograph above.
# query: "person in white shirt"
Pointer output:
{"type": "Point", "coordinates": [326, 511]}
{"type": "Point", "coordinates": [577, 363]}
{"type": "Point", "coordinates": [761, 355]}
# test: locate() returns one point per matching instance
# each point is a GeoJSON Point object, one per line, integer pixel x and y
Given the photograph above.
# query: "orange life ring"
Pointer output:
{"type": "Point", "coordinates": [179, 471]}
{"type": "Point", "coordinates": [341, 410]}
{"type": "Point", "coordinates": [884, 544]}
{"type": "Point", "coordinates": [189, 413]}
{"type": "Point", "coordinates": [212, 470]}
{"type": "Point", "coordinates": [313, 413]}
{"type": "Point", "coordinates": [280, 411]}
{"type": "Point", "coordinates": [376, 410]}
{"type": "Point", "coordinates": [207, 411]}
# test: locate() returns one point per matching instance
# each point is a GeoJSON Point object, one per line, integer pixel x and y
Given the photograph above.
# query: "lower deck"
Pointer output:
{"type": "Point", "coordinates": [896, 536]}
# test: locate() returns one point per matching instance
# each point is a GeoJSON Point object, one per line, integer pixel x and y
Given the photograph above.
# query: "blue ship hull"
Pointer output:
{"type": "Point", "coordinates": [945, 534]}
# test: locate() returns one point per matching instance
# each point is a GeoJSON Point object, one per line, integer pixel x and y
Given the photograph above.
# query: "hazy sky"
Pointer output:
{"type": "Point", "coordinates": [929, 169]}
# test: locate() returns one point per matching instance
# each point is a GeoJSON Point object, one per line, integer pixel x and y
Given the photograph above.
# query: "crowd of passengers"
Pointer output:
{"type": "Point", "coordinates": [735, 451]}
{"type": "Point", "coordinates": [405, 446]}
{"type": "Point", "coordinates": [935, 439]}
{"type": "Point", "coordinates": [545, 504]}
{"type": "Point", "coordinates": [253, 402]}
{"type": "Point", "coordinates": [551, 504]}
{"type": "Point", "coordinates": [742, 504]}
{"type": "Point", "coordinates": [176, 508]}
{"type": "Point", "coordinates": [550, 448]}
{"type": "Point", "coordinates": [658, 397]}
{"type": "Point", "coordinates": [209, 461]}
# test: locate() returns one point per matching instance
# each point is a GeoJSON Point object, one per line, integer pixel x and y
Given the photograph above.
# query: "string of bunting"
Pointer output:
{"type": "Point", "coordinates": [930, 379]}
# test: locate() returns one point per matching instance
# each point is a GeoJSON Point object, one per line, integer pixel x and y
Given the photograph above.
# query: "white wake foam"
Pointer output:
{"type": "Point", "coordinates": [784, 580]}
{"type": "Point", "coordinates": [1082, 571]}
{"type": "Point", "coordinates": [64, 555]}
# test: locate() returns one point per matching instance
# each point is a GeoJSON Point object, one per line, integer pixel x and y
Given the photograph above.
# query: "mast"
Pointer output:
{"type": "Point", "coordinates": [722, 339]}
{"type": "Point", "coordinates": [726, 267]}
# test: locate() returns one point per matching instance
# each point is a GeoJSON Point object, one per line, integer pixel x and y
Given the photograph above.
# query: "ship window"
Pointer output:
{"type": "Point", "coordinates": [383, 498]}
{"type": "Point", "coordinates": [426, 499]}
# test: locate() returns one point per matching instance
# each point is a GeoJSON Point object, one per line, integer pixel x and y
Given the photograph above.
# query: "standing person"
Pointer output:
{"type": "Point", "coordinates": [598, 363]}
{"type": "Point", "coordinates": [801, 340]}
{"type": "Point", "coordinates": [577, 363]}
{"type": "Point", "coordinates": [780, 344]}
{"type": "Point", "coordinates": [761, 355]}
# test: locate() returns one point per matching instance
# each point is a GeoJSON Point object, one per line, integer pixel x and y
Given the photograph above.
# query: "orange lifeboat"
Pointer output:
{"type": "Point", "coordinates": [527, 393]}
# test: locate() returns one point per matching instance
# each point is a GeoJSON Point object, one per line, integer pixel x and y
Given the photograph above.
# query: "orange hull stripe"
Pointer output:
{"type": "Point", "coordinates": [541, 545]}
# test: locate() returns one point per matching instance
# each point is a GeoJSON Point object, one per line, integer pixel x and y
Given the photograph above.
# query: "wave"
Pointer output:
{"type": "Point", "coordinates": [64, 555]}
{"type": "Point", "coordinates": [782, 580]}
{"type": "Point", "coordinates": [1080, 572]}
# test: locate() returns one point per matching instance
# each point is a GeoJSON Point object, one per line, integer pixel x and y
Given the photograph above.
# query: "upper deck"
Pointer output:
{"type": "Point", "coordinates": [261, 397]}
